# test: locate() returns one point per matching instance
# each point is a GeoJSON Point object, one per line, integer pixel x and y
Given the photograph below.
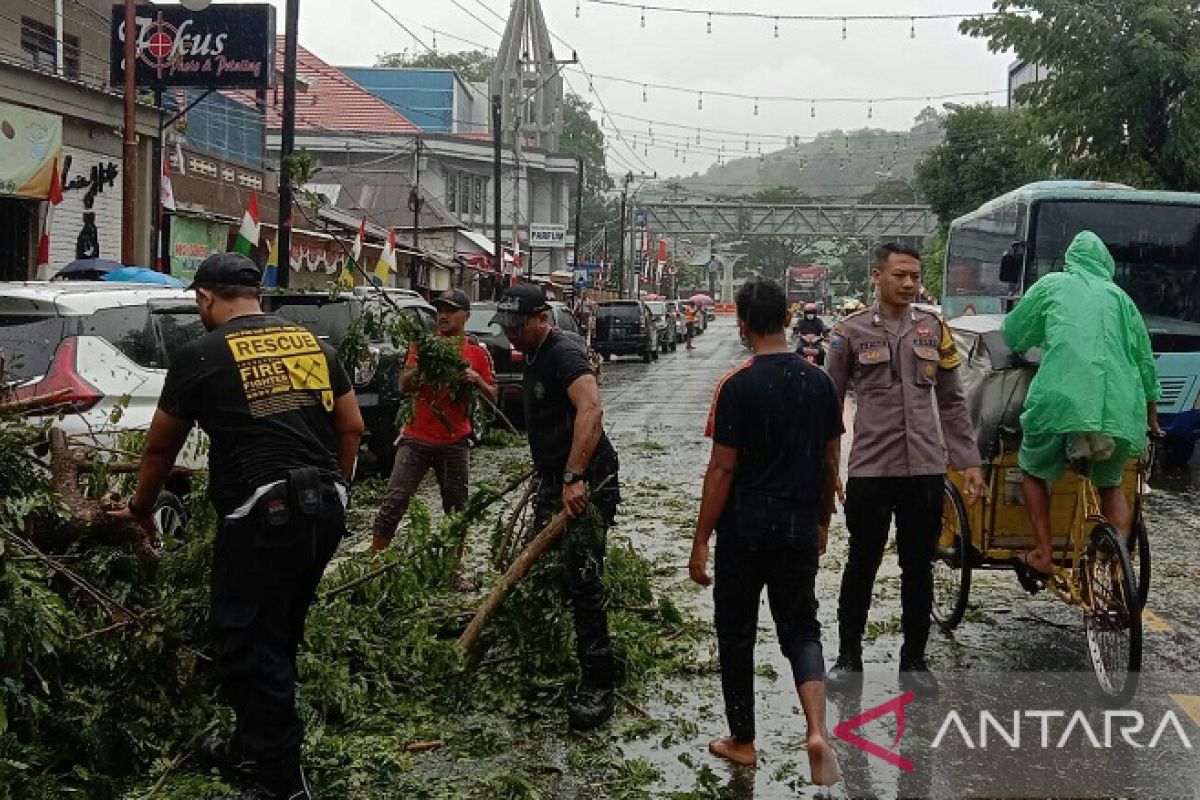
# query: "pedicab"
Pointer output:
{"type": "Point", "coordinates": [1094, 569]}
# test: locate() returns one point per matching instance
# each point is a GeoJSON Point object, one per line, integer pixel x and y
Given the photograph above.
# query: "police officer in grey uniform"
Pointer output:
{"type": "Point", "coordinates": [903, 366]}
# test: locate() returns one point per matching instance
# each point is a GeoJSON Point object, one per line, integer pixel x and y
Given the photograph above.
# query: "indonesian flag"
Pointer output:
{"type": "Point", "coordinates": [387, 259]}
{"type": "Point", "coordinates": [166, 191]}
{"type": "Point", "coordinates": [55, 197]}
{"type": "Point", "coordinates": [359, 241]}
{"type": "Point", "coordinates": [247, 238]}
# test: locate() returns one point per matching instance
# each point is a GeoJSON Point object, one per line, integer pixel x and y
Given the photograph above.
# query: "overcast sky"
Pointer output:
{"type": "Point", "coordinates": [809, 59]}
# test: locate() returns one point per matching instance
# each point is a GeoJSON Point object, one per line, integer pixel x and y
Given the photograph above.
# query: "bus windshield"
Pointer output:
{"type": "Point", "coordinates": [1157, 252]}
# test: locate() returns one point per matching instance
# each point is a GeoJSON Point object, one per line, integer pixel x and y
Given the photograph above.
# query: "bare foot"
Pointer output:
{"type": "Point", "coordinates": [1038, 561]}
{"type": "Point", "coordinates": [743, 754]}
{"type": "Point", "coordinates": [822, 762]}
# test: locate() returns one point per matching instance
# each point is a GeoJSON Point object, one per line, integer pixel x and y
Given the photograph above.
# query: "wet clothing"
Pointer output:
{"type": "Point", "coordinates": [779, 412]}
{"type": "Point", "coordinates": [559, 361]}
{"type": "Point", "coordinates": [916, 504]}
{"type": "Point", "coordinates": [264, 390]}
{"type": "Point", "coordinates": [1044, 455]}
{"type": "Point", "coordinates": [581, 552]}
{"type": "Point", "coordinates": [414, 458]}
{"type": "Point", "coordinates": [1097, 373]}
{"type": "Point", "coordinates": [903, 382]}
{"type": "Point", "coordinates": [813, 326]}
{"type": "Point", "coordinates": [550, 370]}
{"type": "Point", "coordinates": [905, 378]}
{"type": "Point", "coordinates": [439, 418]}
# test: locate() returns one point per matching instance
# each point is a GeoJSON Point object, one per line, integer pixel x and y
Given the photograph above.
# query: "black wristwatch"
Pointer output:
{"type": "Point", "coordinates": [571, 477]}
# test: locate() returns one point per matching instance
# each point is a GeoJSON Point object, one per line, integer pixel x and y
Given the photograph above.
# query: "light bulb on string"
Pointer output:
{"type": "Point", "coordinates": [434, 41]}
{"type": "Point", "coordinates": [576, 9]}
{"type": "Point", "coordinates": [700, 101]}
{"type": "Point", "coordinates": [843, 29]}
{"type": "Point", "coordinates": [697, 136]}
{"type": "Point", "coordinates": [747, 143]}
{"type": "Point", "coordinates": [710, 22]}
{"type": "Point", "coordinates": [756, 106]}
{"type": "Point", "coordinates": [812, 109]}
{"type": "Point", "coordinates": [912, 28]}
{"type": "Point", "coordinates": [870, 110]}
{"type": "Point", "coordinates": [777, 27]}
{"type": "Point", "coordinates": [644, 93]}
{"type": "Point", "coordinates": [643, 16]}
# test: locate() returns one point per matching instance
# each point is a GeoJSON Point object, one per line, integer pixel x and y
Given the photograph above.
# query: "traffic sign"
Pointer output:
{"type": "Point", "coordinates": [640, 218]}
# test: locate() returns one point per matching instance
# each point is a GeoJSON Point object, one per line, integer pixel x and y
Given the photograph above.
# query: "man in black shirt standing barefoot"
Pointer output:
{"type": "Point", "coordinates": [776, 429]}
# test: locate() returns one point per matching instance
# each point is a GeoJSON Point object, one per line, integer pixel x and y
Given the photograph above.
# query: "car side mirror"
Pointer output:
{"type": "Point", "coordinates": [1012, 263]}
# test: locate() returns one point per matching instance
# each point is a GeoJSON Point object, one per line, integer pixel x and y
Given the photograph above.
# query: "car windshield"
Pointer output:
{"type": "Point", "coordinates": [328, 320]}
{"type": "Point", "coordinates": [27, 344]}
{"type": "Point", "coordinates": [620, 310]}
{"type": "Point", "coordinates": [480, 321]}
{"type": "Point", "coordinates": [1156, 248]}
{"type": "Point", "coordinates": [657, 308]}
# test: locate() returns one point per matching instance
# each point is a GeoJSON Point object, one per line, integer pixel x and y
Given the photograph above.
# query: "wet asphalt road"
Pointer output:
{"type": "Point", "coordinates": [656, 415]}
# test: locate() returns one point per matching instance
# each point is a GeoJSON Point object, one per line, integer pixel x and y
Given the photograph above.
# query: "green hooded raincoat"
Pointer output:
{"type": "Point", "coordinates": [1097, 372]}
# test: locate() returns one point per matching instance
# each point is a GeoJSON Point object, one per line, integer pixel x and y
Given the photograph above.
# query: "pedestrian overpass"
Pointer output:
{"type": "Point", "coordinates": [804, 221]}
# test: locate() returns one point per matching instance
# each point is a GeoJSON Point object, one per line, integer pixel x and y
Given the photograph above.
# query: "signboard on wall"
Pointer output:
{"type": "Point", "coordinates": [30, 146]}
{"type": "Point", "coordinates": [192, 241]}
{"type": "Point", "coordinates": [547, 235]}
{"type": "Point", "coordinates": [223, 46]}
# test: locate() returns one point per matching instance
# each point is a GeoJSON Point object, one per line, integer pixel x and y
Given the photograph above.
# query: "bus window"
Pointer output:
{"type": "Point", "coordinates": [974, 250]}
{"type": "Point", "coordinates": [1157, 252]}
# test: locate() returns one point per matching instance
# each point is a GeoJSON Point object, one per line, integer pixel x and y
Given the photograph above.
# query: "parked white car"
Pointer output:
{"type": "Point", "coordinates": [107, 346]}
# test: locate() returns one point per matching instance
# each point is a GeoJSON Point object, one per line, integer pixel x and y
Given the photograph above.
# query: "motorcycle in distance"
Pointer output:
{"type": "Point", "coordinates": [812, 347]}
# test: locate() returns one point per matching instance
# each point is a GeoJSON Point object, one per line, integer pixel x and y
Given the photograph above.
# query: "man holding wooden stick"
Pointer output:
{"type": "Point", "coordinates": [571, 454]}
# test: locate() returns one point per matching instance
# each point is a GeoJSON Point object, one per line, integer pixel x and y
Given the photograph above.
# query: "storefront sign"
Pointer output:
{"type": "Point", "coordinates": [30, 146]}
{"type": "Point", "coordinates": [547, 235]}
{"type": "Point", "coordinates": [223, 46]}
{"type": "Point", "coordinates": [192, 241]}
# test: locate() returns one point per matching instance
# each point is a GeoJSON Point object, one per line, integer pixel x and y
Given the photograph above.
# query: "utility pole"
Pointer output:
{"type": "Point", "coordinates": [283, 243]}
{"type": "Point", "coordinates": [621, 241]}
{"type": "Point", "coordinates": [578, 211]}
{"type": "Point", "coordinates": [516, 221]}
{"type": "Point", "coordinates": [129, 148]}
{"type": "Point", "coordinates": [414, 197]}
{"type": "Point", "coordinates": [497, 135]}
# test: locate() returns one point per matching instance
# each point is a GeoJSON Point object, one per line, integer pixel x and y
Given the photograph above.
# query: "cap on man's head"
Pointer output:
{"type": "Point", "coordinates": [227, 269]}
{"type": "Point", "coordinates": [453, 298]}
{"type": "Point", "coordinates": [518, 303]}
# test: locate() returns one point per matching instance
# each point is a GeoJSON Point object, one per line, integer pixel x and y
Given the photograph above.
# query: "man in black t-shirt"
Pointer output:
{"type": "Point", "coordinates": [571, 455]}
{"type": "Point", "coordinates": [776, 428]}
{"type": "Point", "coordinates": [284, 429]}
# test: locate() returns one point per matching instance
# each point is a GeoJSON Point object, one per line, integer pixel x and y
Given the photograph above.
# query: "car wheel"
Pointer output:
{"type": "Point", "coordinates": [647, 355]}
{"type": "Point", "coordinates": [170, 517]}
{"type": "Point", "coordinates": [606, 356]}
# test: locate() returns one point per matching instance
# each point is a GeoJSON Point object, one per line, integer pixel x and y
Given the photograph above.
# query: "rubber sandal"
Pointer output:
{"type": "Point", "coordinates": [1031, 579]}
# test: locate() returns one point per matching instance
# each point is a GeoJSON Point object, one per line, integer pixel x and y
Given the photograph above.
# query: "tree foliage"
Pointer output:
{"type": "Point", "coordinates": [1119, 101]}
{"type": "Point", "coordinates": [471, 65]}
{"type": "Point", "coordinates": [986, 152]}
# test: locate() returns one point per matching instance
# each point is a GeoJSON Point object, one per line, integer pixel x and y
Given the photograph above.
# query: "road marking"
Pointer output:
{"type": "Point", "coordinates": [1155, 623]}
{"type": "Point", "coordinates": [1190, 703]}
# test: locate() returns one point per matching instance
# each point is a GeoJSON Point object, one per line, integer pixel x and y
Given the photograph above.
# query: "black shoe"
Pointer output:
{"type": "Point", "coordinates": [227, 758]}
{"type": "Point", "coordinates": [916, 677]}
{"type": "Point", "coordinates": [590, 708]}
{"type": "Point", "coordinates": [845, 675]}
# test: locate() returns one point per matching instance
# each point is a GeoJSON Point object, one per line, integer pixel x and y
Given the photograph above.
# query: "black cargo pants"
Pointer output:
{"type": "Point", "coordinates": [761, 545]}
{"type": "Point", "coordinates": [582, 549]}
{"type": "Point", "coordinates": [871, 503]}
{"type": "Point", "coordinates": [266, 568]}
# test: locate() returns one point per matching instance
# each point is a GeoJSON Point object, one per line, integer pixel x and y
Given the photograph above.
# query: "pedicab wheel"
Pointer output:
{"type": "Point", "coordinates": [1139, 557]}
{"type": "Point", "coordinates": [1113, 623]}
{"type": "Point", "coordinates": [951, 562]}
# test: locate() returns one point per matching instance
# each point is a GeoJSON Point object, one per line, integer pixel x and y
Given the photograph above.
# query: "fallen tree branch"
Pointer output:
{"type": "Point", "coordinates": [506, 539]}
{"type": "Point", "coordinates": [117, 613]}
{"type": "Point", "coordinates": [424, 747]}
{"type": "Point", "coordinates": [520, 567]}
{"type": "Point", "coordinates": [126, 468]}
{"type": "Point", "coordinates": [18, 406]}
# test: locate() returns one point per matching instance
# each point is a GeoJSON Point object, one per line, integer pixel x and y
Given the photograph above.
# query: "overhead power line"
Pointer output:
{"type": "Point", "coordinates": [766, 15]}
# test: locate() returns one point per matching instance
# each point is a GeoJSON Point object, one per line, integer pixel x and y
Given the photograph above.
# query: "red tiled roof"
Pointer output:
{"type": "Point", "coordinates": [333, 102]}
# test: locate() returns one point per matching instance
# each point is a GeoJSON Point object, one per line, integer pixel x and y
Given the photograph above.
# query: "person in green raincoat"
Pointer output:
{"type": "Point", "coordinates": [1097, 376]}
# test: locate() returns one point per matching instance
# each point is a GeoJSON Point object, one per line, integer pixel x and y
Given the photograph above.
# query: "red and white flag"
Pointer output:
{"type": "Point", "coordinates": [55, 197]}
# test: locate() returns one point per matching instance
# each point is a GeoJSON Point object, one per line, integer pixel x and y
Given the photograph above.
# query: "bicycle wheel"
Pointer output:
{"type": "Point", "coordinates": [951, 562]}
{"type": "Point", "coordinates": [1139, 558]}
{"type": "Point", "coordinates": [1114, 622]}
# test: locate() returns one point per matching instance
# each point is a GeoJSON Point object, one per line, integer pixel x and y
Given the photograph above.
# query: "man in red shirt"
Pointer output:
{"type": "Point", "coordinates": [437, 436]}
